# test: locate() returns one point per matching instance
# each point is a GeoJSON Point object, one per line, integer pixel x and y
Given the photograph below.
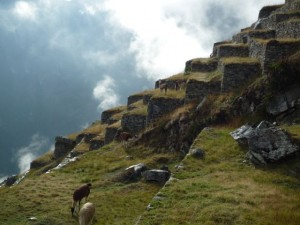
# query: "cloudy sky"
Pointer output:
{"type": "Point", "coordinates": [62, 62]}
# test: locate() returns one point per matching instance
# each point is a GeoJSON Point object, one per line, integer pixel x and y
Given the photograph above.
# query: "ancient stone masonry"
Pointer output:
{"type": "Point", "coordinates": [201, 65]}
{"type": "Point", "coordinates": [63, 146]}
{"type": "Point", "coordinates": [232, 50]}
{"type": "Point", "coordinates": [235, 74]}
{"type": "Point", "coordinates": [289, 29]}
{"type": "Point", "coordinates": [146, 99]}
{"type": "Point", "coordinates": [110, 133]}
{"type": "Point", "coordinates": [275, 51]}
{"type": "Point", "coordinates": [107, 116]}
{"type": "Point", "coordinates": [134, 98]}
{"type": "Point", "coordinates": [246, 36]}
{"type": "Point", "coordinates": [133, 123]}
{"type": "Point", "coordinates": [214, 53]}
{"type": "Point", "coordinates": [267, 10]}
{"type": "Point", "coordinates": [160, 106]}
{"type": "Point", "coordinates": [197, 90]}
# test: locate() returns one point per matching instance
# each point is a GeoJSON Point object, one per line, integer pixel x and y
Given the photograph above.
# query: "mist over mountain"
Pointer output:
{"type": "Point", "coordinates": [63, 62]}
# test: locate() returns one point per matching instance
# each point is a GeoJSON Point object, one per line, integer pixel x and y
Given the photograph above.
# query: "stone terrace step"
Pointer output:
{"type": "Point", "coordinates": [290, 5]}
{"type": "Point", "coordinates": [237, 71]}
{"type": "Point", "coordinates": [288, 29]}
{"type": "Point", "coordinates": [275, 18]}
{"type": "Point", "coordinates": [233, 50]}
{"type": "Point", "coordinates": [269, 52]}
{"type": "Point", "coordinates": [214, 53]}
{"type": "Point", "coordinates": [201, 65]}
{"type": "Point", "coordinates": [246, 35]}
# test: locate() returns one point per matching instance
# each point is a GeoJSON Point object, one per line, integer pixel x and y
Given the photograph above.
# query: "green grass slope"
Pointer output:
{"type": "Point", "coordinates": [223, 189]}
{"type": "Point", "coordinates": [48, 197]}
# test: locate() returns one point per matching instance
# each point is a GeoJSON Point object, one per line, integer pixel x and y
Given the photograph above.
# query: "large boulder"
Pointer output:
{"type": "Point", "coordinates": [266, 143]}
{"type": "Point", "coordinates": [132, 173]}
{"type": "Point", "coordinates": [155, 175]}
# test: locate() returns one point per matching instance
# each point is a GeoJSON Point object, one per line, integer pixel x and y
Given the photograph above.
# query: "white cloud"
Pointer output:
{"type": "Point", "coordinates": [100, 57]}
{"type": "Point", "coordinates": [166, 33]}
{"type": "Point", "coordinates": [27, 154]}
{"type": "Point", "coordinates": [104, 92]}
{"type": "Point", "coordinates": [25, 10]}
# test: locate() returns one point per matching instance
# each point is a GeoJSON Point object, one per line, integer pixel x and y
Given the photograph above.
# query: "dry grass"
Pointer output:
{"type": "Point", "coordinates": [239, 60]}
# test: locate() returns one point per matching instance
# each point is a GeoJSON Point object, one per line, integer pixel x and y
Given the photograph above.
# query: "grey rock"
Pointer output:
{"type": "Point", "coordinates": [197, 153]}
{"type": "Point", "coordinates": [160, 176]}
{"type": "Point", "coordinates": [266, 143]}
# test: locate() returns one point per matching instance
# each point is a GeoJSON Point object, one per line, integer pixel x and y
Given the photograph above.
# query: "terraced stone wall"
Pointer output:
{"type": "Point", "coordinates": [232, 50]}
{"type": "Point", "coordinates": [275, 51]}
{"type": "Point", "coordinates": [133, 123]}
{"type": "Point", "coordinates": [289, 29]}
{"type": "Point", "coordinates": [106, 116]}
{"type": "Point", "coordinates": [110, 133]}
{"type": "Point", "coordinates": [161, 106]}
{"type": "Point", "coordinates": [236, 74]}
{"type": "Point", "coordinates": [134, 98]}
{"type": "Point", "coordinates": [197, 90]}
{"type": "Point", "coordinates": [201, 65]}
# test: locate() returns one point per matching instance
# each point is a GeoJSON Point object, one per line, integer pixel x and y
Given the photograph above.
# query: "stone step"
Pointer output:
{"type": "Point", "coordinates": [289, 28]}
{"type": "Point", "coordinates": [201, 65]}
{"type": "Point", "coordinates": [276, 17]}
{"type": "Point", "coordinates": [290, 5]}
{"type": "Point", "coordinates": [246, 35]}
{"type": "Point", "coordinates": [237, 71]}
{"type": "Point", "coordinates": [271, 51]}
{"type": "Point", "coordinates": [214, 53]}
{"type": "Point", "coordinates": [233, 50]}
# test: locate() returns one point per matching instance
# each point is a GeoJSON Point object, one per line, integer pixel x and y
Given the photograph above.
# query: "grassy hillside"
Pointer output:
{"type": "Point", "coordinates": [223, 188]}
{"type": "Point", "coordinates": [48, 197]}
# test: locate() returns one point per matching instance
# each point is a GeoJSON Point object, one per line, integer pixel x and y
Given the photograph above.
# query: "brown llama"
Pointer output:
{"type": "Point", "coordinates": [79, 194]}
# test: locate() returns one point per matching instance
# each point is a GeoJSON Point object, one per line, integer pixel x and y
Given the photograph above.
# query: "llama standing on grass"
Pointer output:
{"type": "Point", "coordinates": [86, 214]}
{"type": "Point", "coordinates": [79, 194]}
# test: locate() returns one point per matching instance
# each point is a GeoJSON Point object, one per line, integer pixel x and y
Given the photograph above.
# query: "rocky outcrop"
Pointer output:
{"type": "Point", "coordinates": [266, 143]}
{"type": "Point", "coordinates": [63, 146]}
{"type": "Point", "coordinates": [284, 102]}
{"type": "Point", "coordinates": [9, 181]}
